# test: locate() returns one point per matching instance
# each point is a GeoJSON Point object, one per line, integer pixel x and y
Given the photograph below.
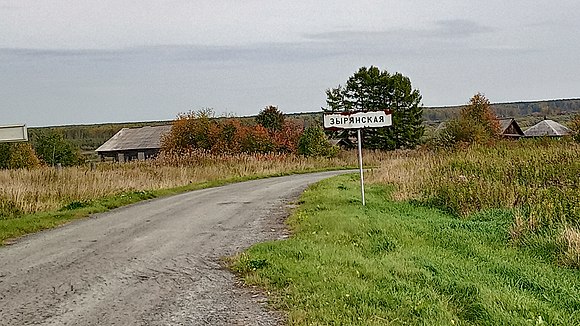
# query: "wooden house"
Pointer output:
{"type": "Point", "coordinates": [509, 128]}
{"type": "Point", "coordinates": [134, 144]}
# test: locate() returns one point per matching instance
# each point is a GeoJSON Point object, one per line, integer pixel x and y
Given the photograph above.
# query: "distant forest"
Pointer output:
{"type": "Point", "coordinates": [89, 137]}
{"type": "Point", "coordinates": [511, 110]}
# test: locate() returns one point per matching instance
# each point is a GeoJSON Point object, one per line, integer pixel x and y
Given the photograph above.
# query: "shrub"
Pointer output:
{"type": "Point", "coordinates": [314, 143]}
{"type": "Point", "coordinates": [575, 126]}
{"type": "Point", "coordinates": [200, 130]}
{"type": "Point", "coordinates": [17, 156]}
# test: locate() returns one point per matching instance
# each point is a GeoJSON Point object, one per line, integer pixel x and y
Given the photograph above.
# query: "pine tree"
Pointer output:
{"type": "Point", "coordinates": [371, 89]}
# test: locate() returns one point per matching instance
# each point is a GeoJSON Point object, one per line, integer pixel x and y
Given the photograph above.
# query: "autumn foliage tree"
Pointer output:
{"type": "Point", "coordinates": [17, 156]}
{"type": "Point", "coordinates": [477, 123]}
{"type": "Point", "coordinates": [201, 130]}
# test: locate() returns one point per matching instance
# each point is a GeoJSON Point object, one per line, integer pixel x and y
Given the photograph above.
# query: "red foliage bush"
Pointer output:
{"type": "Point", "coordinates": [201, 131]}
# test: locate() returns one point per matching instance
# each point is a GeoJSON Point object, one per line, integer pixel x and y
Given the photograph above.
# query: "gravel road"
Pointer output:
{"type": "Point", "coordinates": [153, 263]}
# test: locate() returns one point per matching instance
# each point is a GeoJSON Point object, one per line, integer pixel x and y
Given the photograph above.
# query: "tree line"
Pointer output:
{"type": "Point", "coordinates": [512, 110]}
{"type": "Point", "coordinates": [368, 89]}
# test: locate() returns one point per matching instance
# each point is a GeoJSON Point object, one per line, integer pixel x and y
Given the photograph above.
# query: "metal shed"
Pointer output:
{"type": "Point", "coordinates": [134, 143]}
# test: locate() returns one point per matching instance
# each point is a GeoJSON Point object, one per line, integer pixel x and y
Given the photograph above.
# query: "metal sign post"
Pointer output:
{"type": "Point", "coordinates": [358, 121]}
{"type": "Point", "coordinates": [360, 164]}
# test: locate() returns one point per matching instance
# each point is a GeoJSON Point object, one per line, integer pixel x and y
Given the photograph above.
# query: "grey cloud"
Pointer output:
{"type": "Point", "coordinates": [458, 28]}
{"type": "Point", "coordinates": [444, 29]}
{"type": "Point", "coordinates": [9, 7]}
{"type": "Point", "coordinates": [262, 53]}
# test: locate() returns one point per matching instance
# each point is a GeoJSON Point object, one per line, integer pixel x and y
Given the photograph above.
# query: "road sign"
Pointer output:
{"type": "Point", "coordinates": [357, 120]}
{"type": "Point", "coordinates": [13, 133]}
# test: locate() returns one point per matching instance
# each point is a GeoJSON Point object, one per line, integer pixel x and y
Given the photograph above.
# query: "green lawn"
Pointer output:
{"type": "Point", "coordinates": [399, 263]}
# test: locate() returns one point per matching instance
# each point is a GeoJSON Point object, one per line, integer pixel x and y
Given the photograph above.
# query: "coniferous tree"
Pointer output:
{"type": "Point", "coordinates": [271, 118]}
{"type": "Point", "coordinates": [371, 89]}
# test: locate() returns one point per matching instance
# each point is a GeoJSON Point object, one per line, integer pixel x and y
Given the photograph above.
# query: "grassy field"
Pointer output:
{"type": "Point", "coordinates": [479, 236]}
{"type": "Point", "coordinates": [538, 181]}
{"type": "Point", "coordinates": [399, 263]}
{"type": "Point", "coordinates": [36, 199]}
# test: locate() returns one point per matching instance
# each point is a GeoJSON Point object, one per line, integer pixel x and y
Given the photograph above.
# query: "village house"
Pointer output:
{"type": "Point", "coordinates": [547, 128]}
{"type": "Point", "coordinates": [509, 128]}
{"type": "Point", "coordinates": [134, 144]}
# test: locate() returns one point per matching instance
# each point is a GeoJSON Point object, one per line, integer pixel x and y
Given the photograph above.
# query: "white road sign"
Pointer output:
{"type": "Point", "coordinates": [358, 121]}
{"type": "Point", "coordinates": [347, 120]}
{"type": "Point", "coordinates": [13, 133]}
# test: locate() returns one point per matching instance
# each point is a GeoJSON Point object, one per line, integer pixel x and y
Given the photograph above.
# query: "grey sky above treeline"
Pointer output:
{"type": "Point", "coordinates": [79, 62]}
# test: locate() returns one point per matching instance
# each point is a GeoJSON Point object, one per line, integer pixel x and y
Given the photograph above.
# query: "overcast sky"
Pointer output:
{"type": "Point", "coordinates": [70, 62]}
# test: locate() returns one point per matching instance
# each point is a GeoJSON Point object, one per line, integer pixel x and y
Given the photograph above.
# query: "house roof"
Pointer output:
{"type": "Point", "coordinates": [504, 125]}
{"type": "Point", "coordinates": [548, 128]}
{"type": "Point", "coordinates": [135, 138]}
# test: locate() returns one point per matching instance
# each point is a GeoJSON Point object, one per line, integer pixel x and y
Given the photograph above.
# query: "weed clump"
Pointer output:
{"type": "Point", "coordinates": [570, 239]}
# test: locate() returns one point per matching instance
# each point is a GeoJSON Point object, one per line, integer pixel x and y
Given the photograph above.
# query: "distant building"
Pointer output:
{"type": "Point", "coordinates": [547, 128]}
{"type": "Point", "coordinates": [134, 144]}
{"type": "Point", "coordinates": [509, 128]}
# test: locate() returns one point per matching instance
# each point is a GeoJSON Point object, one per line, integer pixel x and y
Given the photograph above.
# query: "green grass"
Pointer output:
{"type": "Point", "coordinates": [399, 263]}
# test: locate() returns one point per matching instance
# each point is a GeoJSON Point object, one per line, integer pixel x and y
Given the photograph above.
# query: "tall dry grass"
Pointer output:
{"type": "Point", "coordinates": [407, 170]}
{"type": "Point", "coordinates": [571, 241]}
{"type": "Point", "coordinates": [538, 180]}
{"type": "Point", "coordinates": [45, 189]}
{"type": "Point", "coordinates": [541, 178]}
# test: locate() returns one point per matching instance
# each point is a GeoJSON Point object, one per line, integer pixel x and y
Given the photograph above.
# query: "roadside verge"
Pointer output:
{"type": "Point", "coordinates": [402, 263]}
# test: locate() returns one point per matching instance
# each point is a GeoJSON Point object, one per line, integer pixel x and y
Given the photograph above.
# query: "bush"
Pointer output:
{"type": "Point", "coordinates": [477, 123]}
{"type": "Point", "coordinates": [17, 156]}
{"type": "Point", "coordinates": [52, 149]}
{"type": "Point", "coordinates": [314, 143]}
{"type": "Point", "coordinates": [202, 131]}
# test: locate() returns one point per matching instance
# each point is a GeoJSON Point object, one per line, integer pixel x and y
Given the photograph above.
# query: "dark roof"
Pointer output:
{"type": "Point", "coordinates": [505, 124]}
{"type": "Point", "coordinates": [548, 128]}
{"type": "Point", "coordinates": [135, 138]}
